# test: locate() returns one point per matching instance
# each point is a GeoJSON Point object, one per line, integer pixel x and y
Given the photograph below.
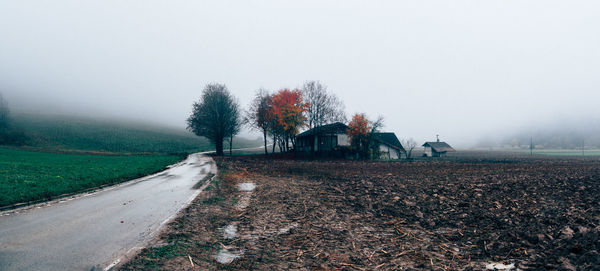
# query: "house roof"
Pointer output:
{"type": "Point", "coordinates": [389, 139]}
{"type": "Point", "coordinates": [333, 128]}
{"type": "Point", "coordinates": [439, 146]}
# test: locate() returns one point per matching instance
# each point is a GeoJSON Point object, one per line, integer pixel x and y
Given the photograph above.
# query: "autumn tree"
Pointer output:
{"type": "Point", "coordinates": [361, 132]}
{"type": "Point", "coordinates": [358, 131]}
{"type": "Point", "coordinates": [259, 115]}
{"type": "Point", "coordinates": [216, 116]}
{"type": "Point", "coordinates": [323, 107]}
{"type": "Point", "coordinates": [287, 109]}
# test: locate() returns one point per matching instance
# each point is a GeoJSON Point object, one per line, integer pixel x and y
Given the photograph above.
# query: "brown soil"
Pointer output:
{"type": "Point", "coordinates": [352, 215]}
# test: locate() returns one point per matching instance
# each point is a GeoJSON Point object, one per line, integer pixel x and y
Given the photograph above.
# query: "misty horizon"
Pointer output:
{"type": "Point", "coordinates": [464, 70]}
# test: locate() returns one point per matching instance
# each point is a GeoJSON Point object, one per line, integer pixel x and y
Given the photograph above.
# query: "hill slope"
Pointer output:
{"type": "Point", "coordinates": [66, 133]}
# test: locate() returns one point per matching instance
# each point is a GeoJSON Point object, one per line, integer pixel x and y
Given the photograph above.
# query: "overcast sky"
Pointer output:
{"type": "Point", "coordinates": [461, 69]}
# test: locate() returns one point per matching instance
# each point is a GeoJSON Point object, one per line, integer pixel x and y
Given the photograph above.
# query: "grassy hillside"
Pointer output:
{"type": "Point", "coordinates": [75, 156]}
{"type": "Point", "coordinates": [29, 176]}
{"type": "Point", "coordinates": [64, 133]}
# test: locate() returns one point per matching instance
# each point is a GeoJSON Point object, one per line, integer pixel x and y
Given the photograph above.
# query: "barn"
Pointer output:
{"type": "Point", "coordinates": [437, 149]}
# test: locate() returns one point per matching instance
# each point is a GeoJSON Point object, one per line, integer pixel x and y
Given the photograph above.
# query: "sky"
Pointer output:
{"type": "Point", "coordinates": [460, 69]}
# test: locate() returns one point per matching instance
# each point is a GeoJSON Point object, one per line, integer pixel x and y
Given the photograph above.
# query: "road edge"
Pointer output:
{"type": "Point", "coordinates": [153, 236]}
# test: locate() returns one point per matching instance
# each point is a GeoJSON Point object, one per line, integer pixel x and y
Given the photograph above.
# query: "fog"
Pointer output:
{"type": "Point", "coordinates": [461, 69]}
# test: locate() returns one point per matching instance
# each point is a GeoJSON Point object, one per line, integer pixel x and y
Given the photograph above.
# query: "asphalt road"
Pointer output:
{"type": "Point", "coordinates": [97, 230]}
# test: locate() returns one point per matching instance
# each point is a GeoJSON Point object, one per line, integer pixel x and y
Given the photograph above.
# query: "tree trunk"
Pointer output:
{"type": "Point", "coordinates": [230, 145]}
{"type": "Point", "coordinates": [265, 137]}
{"type": "Point", "coordinates": [280, 144]}
{"type": "Point", "coordinates": [294, 145]}
{"type": "Point", "coordinates": [219, 147]}
{"type": "Point", "coordinates": [274, 143]}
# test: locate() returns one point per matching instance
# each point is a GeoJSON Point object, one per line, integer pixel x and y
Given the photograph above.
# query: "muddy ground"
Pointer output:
{"type": "Point", "coordinates": [461, 214]}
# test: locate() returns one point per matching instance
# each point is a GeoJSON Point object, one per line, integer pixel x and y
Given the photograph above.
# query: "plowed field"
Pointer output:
{"type": "Point", "coordinates": [463, 214]}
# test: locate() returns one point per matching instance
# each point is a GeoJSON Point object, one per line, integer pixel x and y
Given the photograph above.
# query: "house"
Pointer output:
{"type": "Point", "coordinates": [389, 145]}
{"type": "Point", "coordinates": [437, 149]}
{"type": "Point", "coordinates": [323, 139]}
{"type": "Point", "coordinates": [332, 140]}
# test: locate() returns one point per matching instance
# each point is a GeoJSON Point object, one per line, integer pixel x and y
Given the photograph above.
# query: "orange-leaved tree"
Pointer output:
{"type": "Point", "coordinates": [358, 131]}
{"type": "Point", "coordinates": [361, 130]}
{"type": "Point", "coordinates": [288, 110]}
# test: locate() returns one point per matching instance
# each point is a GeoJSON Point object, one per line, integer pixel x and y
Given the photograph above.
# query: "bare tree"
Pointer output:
{"type": "Point", "coordinates": [409, 145]}
{"type": "Point", "coordinates": [259, 114]}
{"type": "Point", "coordinates": [216, 116]}
{"type": "Point", "coordinates": [236, 123]}
{"type": "Point", "coordinates": [324, 107]}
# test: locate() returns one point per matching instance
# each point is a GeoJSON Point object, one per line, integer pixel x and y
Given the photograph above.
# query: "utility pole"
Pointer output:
{"type": "Point", "coordinates": [531, 147]}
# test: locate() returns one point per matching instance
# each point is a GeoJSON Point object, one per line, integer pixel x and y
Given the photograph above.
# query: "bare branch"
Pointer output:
{"type": "Point", "coordinates": [409, 145]}
{"type": "Point", "coordinates": [324, 107]}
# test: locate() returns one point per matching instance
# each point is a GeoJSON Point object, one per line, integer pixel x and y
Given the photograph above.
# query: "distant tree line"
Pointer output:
{"type": "Point", "coordinates": [279, 116]}
{"type": "Point", "coordinates": [554, 140]}
{"type": "Point", "coordinates": [555, 136]}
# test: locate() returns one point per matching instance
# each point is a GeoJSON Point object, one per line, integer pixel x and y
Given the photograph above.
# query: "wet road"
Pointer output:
{"type": "Point", "coordinates": [94, 231]}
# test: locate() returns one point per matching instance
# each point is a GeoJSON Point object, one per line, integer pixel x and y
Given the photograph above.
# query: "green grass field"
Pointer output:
{"type": "Point", "coordinates": [31, 176]}
{"type": "Point", "coordinates": [65, 154]}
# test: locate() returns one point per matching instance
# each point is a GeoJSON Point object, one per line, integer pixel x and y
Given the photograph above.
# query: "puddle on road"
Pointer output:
{"type": "Point", "coordinates": [226, 257]}
{"type": "Point", "coordinates": [167, 175]}
{"type": "Point", "coordinates": [200, 164]}
{"type": "Point", "coordinates": [246, 187]}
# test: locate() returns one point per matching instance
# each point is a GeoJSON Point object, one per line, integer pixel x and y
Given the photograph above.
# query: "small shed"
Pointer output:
{"type": "Point", "coordinates": [437, 149]}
